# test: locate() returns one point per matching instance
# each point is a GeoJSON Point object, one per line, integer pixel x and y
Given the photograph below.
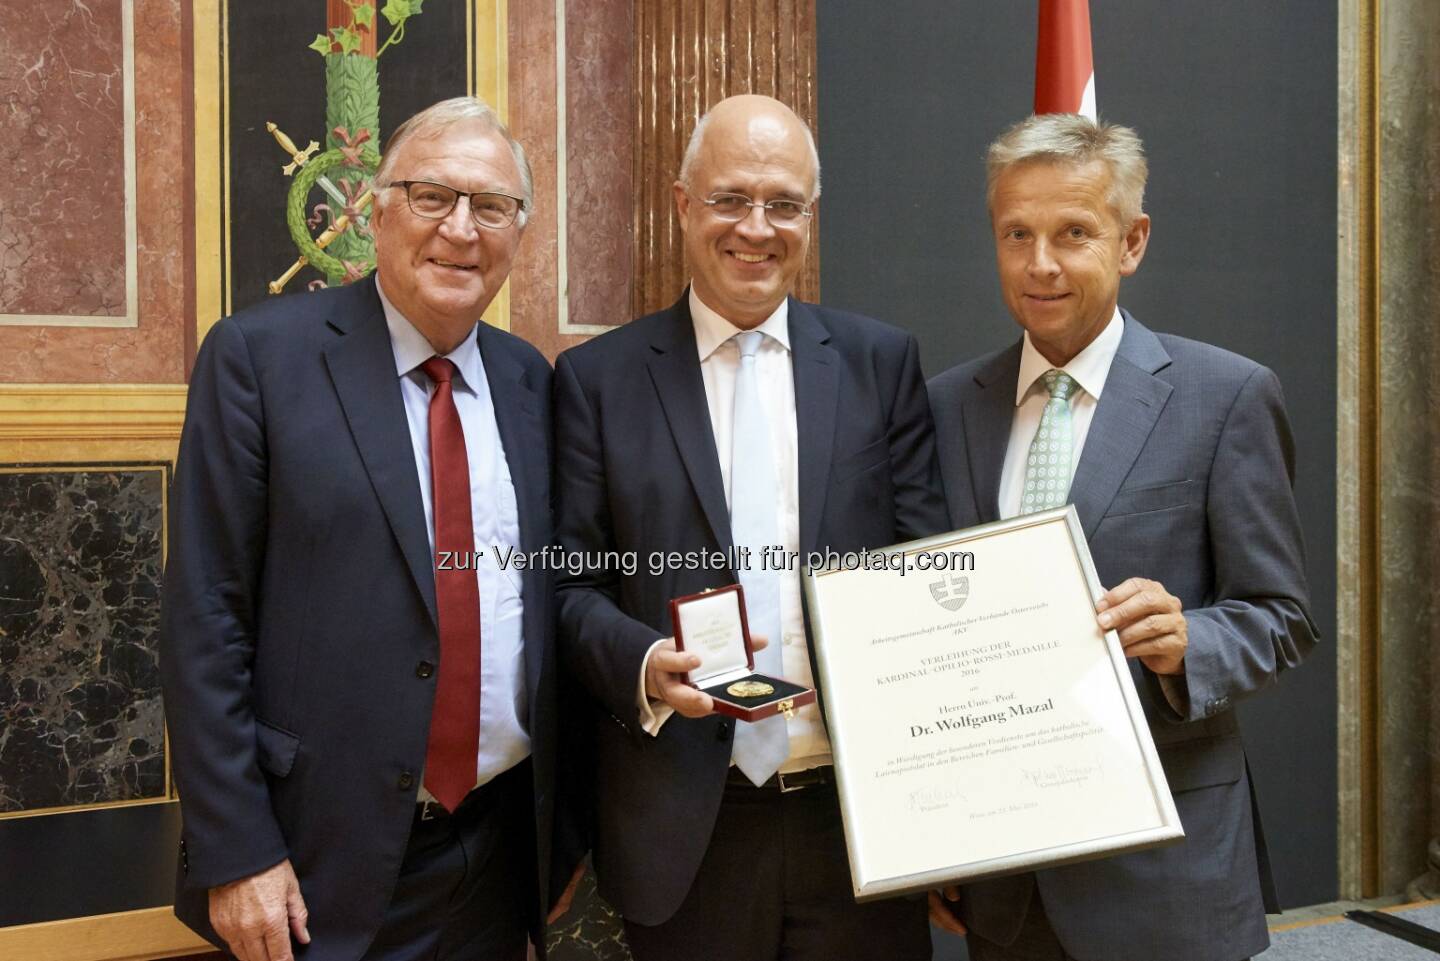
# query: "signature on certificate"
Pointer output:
{"type": "Point", "coordinates": [934, 797]}
{"type": "Point", "coordinates": [1061, 774]}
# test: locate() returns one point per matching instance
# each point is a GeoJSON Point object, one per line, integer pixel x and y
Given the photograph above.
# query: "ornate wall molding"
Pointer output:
{"type": "Point", "coordinates": [126, 936]}
{"type": "Point", "coordinates": [90, 423]}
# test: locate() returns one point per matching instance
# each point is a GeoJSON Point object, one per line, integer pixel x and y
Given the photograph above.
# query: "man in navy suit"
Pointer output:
{"type": "Point", "coordinates": [735, 411]}
{"type": "Point", "coordinates": [1178, 458]}
{"type": "Point", "coordinates": [361, 700]}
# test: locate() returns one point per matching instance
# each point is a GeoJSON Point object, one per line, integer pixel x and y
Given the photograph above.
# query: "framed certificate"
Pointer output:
{"type": "Point", "coordinates": [981, 721]}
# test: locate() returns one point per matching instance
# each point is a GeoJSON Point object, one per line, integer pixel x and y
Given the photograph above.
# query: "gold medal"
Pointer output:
{"type": "Point", "coordinates": [749, 689]}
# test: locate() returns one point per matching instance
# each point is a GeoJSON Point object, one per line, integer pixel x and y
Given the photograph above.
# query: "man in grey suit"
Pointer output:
{"type": "Point", "coordinates": [1178, 458]}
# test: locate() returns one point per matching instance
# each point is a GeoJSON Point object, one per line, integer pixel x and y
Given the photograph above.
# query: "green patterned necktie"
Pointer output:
{"type": "Point", "coordinates": [1047, 466]}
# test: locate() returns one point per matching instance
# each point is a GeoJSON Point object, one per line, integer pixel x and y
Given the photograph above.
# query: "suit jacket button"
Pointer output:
{"type": "Point", "coordinates": [722, 733]}
{"type": "Point", "coordinates": [407, 781]}
{"type": "Point", "coordinates": [424, 669]}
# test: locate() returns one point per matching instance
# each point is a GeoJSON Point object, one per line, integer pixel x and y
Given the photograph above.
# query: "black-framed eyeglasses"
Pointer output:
{"type": "Point", "coordinates": [435, 201]}
{"type": "Point", "coordinates": [782, 214]}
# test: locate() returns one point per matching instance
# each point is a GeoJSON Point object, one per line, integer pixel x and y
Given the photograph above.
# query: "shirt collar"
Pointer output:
{"type": "Point", "coordinates": [712, 330]}
{"type": "Point", "coordinates": [1089, 368]}
{"type": "Point", "coordinates": [412, 349]}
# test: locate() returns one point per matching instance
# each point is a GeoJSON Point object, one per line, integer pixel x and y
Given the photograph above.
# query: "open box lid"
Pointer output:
{"type": "Point", "coordinates": [713, 625]}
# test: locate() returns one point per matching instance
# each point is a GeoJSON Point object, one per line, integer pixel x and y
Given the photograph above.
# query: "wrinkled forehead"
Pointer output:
{"type": "Point", "coordinates": [464, 148]}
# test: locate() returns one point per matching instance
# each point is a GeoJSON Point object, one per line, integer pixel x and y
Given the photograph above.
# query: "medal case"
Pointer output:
{"type": "Point", "coordinates": [713, 625]}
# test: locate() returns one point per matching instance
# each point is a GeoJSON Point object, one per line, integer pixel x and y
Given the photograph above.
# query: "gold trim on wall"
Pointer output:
{"type": "Point", "coordinates": [150, 933]}
{"type": "Point", "coordinates": [487, 72]}
{"type": "Point", "coordinates": [488, 56]}
{"type": "Point", "coordinates": [210, 146]}
{"type": "Point", "coordinates": [90, 423]}
{"type": "Point", "coordinates": [1358, 536]}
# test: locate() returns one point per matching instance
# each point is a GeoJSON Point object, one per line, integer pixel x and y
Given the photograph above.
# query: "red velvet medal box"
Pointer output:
{"type": "Point", "coordinates": [713, 625]}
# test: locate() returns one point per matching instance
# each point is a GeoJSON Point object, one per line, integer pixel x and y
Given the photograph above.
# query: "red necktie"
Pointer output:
{"type": "Point", "coordinates": [455, 719]}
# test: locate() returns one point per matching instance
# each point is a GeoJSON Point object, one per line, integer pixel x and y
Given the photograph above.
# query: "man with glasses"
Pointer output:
{"type": "Point", "coordinates": [739, 417]}
{"type": "Point", "coordinates": [361, 700]}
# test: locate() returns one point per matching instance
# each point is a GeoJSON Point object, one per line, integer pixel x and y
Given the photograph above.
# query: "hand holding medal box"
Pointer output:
{"type": "Point", "coordinates": [713, 626]}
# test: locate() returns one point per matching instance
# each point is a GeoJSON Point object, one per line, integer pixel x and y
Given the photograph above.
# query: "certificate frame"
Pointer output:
{"type": "Point", "coordinates": [849, 719]}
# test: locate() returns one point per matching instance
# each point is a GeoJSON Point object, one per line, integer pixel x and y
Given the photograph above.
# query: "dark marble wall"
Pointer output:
{"type": "Point", "coordinates": [80, 562]}
{"type": "Point", "coordinates": [591, 931]}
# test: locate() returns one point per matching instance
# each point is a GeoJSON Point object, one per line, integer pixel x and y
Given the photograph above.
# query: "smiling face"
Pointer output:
{"type": "Point", "coordinates": [1061, 251]}
{"type": "Point", "coordinates": [756, 147]}
{"type": "Point", "coordinates": [442, 274]}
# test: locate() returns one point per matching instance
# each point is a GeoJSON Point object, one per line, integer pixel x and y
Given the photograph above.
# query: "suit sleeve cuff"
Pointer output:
{"type": "Point", "coordinates": [653, 714]}
{"type": "Point", "coordinates": [1176, 692]}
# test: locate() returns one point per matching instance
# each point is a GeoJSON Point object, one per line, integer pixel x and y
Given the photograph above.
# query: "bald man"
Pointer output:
{"type": "Point", "coordinates": [737, 410]}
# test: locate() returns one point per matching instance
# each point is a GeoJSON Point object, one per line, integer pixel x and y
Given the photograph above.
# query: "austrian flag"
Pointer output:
{"type": "Point", "coordinates": [1064, 67]}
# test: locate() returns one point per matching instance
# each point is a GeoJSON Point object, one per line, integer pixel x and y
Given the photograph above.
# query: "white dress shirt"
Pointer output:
{"type": "Point", "coordinates": [719, 356]}
{"type": "Point", "coordinates": [1089, 369]}
{"type": "Point", "coordinates": [494, 515]}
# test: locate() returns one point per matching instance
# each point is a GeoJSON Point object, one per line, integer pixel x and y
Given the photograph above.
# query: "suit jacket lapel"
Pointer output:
{"type": "Point", "coordinates": [1129, 407]}
{"type": "Point", "coordinates": [987, 428]}
{"type": "Point", "coordinates": [517, 415]}
{"type": "Point", "coordinates": [362, 368]}
{"type": "Point", "coordinates": [817, 385]}
{"type": "Point", "coordinates": [675, 371]}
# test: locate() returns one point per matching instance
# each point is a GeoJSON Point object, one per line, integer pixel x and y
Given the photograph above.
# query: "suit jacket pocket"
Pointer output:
{"type": "Point", "coordinates": [275, 748]}
{"type": "Point", "coordinates": [1203, 762]}
{"type": "Point", "coordinates": [865, 459]}
{"type": "Point", "coordinates": [1157, 497]}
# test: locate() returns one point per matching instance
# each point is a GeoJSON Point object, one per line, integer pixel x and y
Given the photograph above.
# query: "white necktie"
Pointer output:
{"type": "Point", "coordinates": [760, 747]}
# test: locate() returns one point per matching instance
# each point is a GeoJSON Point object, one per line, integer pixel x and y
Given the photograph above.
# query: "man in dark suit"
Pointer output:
{"type": "Point", "coordinates": [1178, 458]}
{"type": "Point", "coordinates": [737, 417]}
{"type": "Point", "coordinates": [361, 699]}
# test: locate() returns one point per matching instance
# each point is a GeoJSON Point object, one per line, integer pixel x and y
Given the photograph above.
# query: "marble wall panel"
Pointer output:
{"type": "Point", "coordinates": [599, 106]}
{"type": "Point", "coordinates": [574, 276]}
{"type": "Point", "coordinates": [154, 350]}
{"type": "Point", "coordinates": [1388, 467]}
{"type": "Point", "coordinates": [63, 198]}
{"type": "Point", "coordinates": [1409, 393]}
{"type": "Point", "coordinates": [535, 279]}
{"type": "Point", "coordinates": [80, 567]}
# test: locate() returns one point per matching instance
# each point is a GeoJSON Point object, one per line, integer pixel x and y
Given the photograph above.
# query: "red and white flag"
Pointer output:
{"type": "Point", "coordinates": [1064, 67]}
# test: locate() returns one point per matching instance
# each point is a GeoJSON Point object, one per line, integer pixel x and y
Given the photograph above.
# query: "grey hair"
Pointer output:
{"type": "Point", "coordinates": [697, 136]}
{"type": "Point", "coordinates": [1070, 138]}
{"type": "Point", "coordinates": [436, 117]}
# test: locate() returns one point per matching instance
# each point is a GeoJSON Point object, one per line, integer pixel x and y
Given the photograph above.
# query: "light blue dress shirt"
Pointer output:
{"type": "Point", "coordinates": [504, 740]}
